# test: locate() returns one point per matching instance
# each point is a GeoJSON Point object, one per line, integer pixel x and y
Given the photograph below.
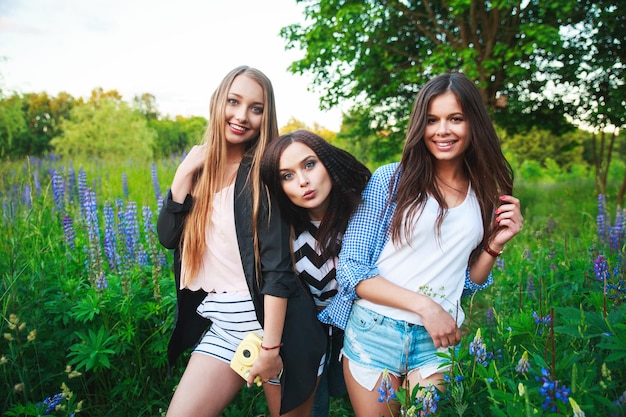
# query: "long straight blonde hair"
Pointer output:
{"type": "Point", "coordinates": [207, 182]}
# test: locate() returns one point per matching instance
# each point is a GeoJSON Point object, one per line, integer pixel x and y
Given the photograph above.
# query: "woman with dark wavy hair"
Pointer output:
{"type": "Point", "coordinates": [317, 186]}
{"type": "Point", "coordinates": [428, 226]}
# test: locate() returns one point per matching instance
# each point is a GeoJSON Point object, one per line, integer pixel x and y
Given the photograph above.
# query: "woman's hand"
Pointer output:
{"type": "Point", "coordinates": [509, 219]}
{"type": "Point", "coordinates": [439, 324]}
{"type": "Point", "coordinates": [183, 179]}
{"type": "Point", "coordinates": [268, 365]}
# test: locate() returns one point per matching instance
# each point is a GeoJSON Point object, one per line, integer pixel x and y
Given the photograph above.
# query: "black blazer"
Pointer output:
{"type": "Point", "coordinates": [304, 339]}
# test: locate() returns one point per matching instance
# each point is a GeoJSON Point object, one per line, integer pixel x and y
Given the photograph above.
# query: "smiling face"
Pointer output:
{"type": "Point", "coordinates": [446, 131]}
{"type": "Point", "coordinates": [305, 180]}
{"type": "Point", "coordinates": [244, 111]}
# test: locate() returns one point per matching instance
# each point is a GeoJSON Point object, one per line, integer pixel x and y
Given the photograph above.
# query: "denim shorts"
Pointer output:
{"type": "Point", "coordinates": [374, 342]}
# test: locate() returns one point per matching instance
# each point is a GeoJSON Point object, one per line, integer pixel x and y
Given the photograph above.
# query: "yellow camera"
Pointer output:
{"type": "Point", "coordinates": [245, 355]}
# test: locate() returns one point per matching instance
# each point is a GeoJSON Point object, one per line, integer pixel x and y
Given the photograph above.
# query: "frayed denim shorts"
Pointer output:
{"type": "Point", "coordinates": [374, 342]}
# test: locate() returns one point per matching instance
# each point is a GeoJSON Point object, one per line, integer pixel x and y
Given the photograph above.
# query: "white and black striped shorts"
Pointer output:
{"type": "Point", "coordinates": [232, 316]}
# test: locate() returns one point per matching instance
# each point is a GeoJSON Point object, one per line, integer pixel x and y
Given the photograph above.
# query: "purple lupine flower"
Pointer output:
{"type": "Point", "coordinates": [616, 232]}
{"type": "Point", "coordinates": [547, 319]}
{"type": "Point", "coordinates": [478, 349]}
{"type": "Point", "coordinates": [82, 189]}
{"type": "Point", "coordinates": [68, 232]}
{"type": "Point", "coordinates": [110, 237]}
{"type": "Point", "coordinates": [27, 198]}
{"type": "Point", "coordinates": [500, 264]}
{"type": "Point", "coordinates": [601, 268]}
{"type": "Point", "coordinates": [123, 250]}
{"type": "Point", "coordinates": [143, 259]}
{"type": "Point", "coordinates": [552, 390]}
{"type": "Point", "coordinates": [101, 281]}
{"type": "Point", "coordinates": [125, 185]}
{"type": "Point", "coordinates": [429, 398]}
{"type": "Point", "coordinates": [601, 219]}
{"type": "Point", "coordinates": [490, 316]}
{"type": "Point", "coordinates": [72, 188]}
{"type": "Point", "coordinates": [386, 391]}
{"type": "Point", "coordinates": [131, 232]}
{"type": "Point", "coordinates": [51, 403]}
{"type": "Point", "coordinates": [155, 182]}
{"type": "Point", "coordinates": [58, 190]}
{"type": "Point", "coordinates": [36, 183]}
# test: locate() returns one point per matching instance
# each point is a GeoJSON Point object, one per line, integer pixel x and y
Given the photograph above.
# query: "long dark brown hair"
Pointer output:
{"type": "Point", "coordinates": [348, 176]}
{"type": "Point", "coordinates": [484, 164]}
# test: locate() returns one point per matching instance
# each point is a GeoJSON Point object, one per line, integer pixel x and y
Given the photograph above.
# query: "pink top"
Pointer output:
{"type": "Point", "coordinates": [221, 270]}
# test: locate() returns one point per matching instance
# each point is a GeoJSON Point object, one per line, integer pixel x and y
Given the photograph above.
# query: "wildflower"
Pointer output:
{"type": "Point", "coordinates": [542, 320]}
{"type": "Point", "coordinates": [8, 336]}
{"type": "Point", "coordinates": [27, 197]}
{"type": "Point", "coordinates": [429, 398]}
{"type": "Point", "coordinates": [74, 374]}
{"type": "Point", "coordinates": [52, 403]}
{"type": "Point", "coordinates": [576, 408]}
{"type": "Point", "coordinates": [386, 391]}
{"type": "Point", "coordinates": [101, 281]}
{"type": "Point", "coordinates": [125, 185]}
{"type": "Point", "coordinates": [500, 264]}
{"type": "Point", "coordinates": [478, 349]}
{"type": "Point", "coordinates": [552, 390]}
{"type": "Point", "coordinates": [58, 190]}
{"type": "Point", "coordinates": [110, 238]}
{"type": "Point", "coordinates": [68, 232]}
{"type": "Point", "coordinates": [601, 218]}
{"type": "Point", "coordinates": [13, 318]}
{"type": "Point", "coordinates": [155, 182]}
{"type": "Point", "coordinates": [19, 387]}
{"type": "Point", "coordinates": [523, 365]}
{"type": "Point", "coordinates": [521, 389]}
{"type": "Point", "coordinates": [490, 317]}
{"type": "Point", "coordinates": [32, 335]}
{"type": "Point", "coordinates": [601, 268]}
{"type": "Point", "coordinates": [3, 360]}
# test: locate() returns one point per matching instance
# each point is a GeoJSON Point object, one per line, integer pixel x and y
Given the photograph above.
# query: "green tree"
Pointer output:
{"type": "Point", "coordinates": [177, 135]}
{"type": "Point", "coordinates": [105, 128]}
{"type": "Point", "coordinates": [43, 115]}
{"type": "Point", "coordinates": [12, 123]}
{"type": "Point", "coordinates": [541, 145]}
{"type": "Point", "coordinates": [380, 52]}
{"type": "Point", "coordinates": [596, 88]}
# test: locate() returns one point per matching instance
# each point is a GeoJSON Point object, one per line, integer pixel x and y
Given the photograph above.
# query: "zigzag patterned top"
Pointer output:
{"type": "Point", "coordinates": [317, 271]}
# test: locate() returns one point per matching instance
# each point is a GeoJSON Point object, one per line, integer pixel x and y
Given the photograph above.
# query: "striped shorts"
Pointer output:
{"type": "Point", "coordinates": [232, 316]}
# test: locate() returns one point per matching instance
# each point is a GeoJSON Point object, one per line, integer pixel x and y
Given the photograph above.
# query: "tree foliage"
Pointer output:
{"type": "Point", "coordinates": [12, 124]}
{"type": "Point", "coordinates": [381, 51]}
{"type": "Point", "coordinates": [596, 87]}
{"type": "Point", "coordinates": [105, 128]}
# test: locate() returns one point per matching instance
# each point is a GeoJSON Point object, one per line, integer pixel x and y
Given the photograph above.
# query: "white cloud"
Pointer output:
{"type": "Point", "coordinates": [176, 50]}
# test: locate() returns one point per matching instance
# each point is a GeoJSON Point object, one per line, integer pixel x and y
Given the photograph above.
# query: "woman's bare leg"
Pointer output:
{"type": "Point", "coordinates": [206, 388]}
{"type": "Point", "coordinates": [365, 403]}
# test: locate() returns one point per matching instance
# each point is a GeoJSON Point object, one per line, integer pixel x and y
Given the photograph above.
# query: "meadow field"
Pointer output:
{"type": "Point", "coordinates": [87, 302]}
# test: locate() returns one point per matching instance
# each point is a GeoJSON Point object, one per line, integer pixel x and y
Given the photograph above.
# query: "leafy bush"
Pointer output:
{"type": "Point", "coordinates": [87, 301]}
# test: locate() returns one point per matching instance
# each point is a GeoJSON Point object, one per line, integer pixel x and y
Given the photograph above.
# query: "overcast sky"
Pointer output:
{"type": "Point", "coordinates": [177, 50]}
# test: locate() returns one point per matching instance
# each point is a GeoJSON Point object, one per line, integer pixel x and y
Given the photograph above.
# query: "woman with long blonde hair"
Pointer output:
{"type": "Point", "coordinates": [232, 264]}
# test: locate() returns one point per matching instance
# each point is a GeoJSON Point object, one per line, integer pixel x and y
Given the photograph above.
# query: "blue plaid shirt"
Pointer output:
{"type": "Point", "coordinates": [364, 240]}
